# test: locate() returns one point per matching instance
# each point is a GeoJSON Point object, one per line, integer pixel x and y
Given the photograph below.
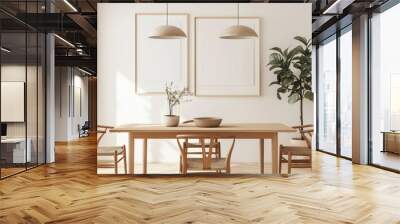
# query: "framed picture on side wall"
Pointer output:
{"type": "Point", "coordinates": [160, 61]}
{"type": "Point", "coordinates": [13, 101]}
{"type": "Point", "coordinates": [226, 67]}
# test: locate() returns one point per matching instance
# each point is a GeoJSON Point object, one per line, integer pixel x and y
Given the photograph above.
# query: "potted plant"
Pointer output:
{"type": "Point", "coordinates": [292, 68]}
{"type": "Point", "coordinates": [174, 97]}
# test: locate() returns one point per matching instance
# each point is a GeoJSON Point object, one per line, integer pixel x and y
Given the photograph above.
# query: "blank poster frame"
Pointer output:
{"type": "Point", "coordinates": [18, 109]}
{"type": "Point", "coordinates": [224, 89]}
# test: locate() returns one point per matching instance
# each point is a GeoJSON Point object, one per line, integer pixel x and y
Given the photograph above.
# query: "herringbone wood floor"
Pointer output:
{"type": "Point", "coordinates": [335, 191]}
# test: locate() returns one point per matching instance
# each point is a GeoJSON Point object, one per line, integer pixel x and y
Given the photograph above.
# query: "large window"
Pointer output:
{"type": "Point", "coordinates": [385, 89]}
{"type": "Point", "coordinates": [346, 93]}
{"type": "Point", "coordinates": [335, 94]}
{"type": "Point", "coordinates": [327, 95]}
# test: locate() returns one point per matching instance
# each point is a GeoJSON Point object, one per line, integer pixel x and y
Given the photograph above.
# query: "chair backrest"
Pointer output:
{"type": "Point", "coordinates": [101, 131]}
{"type": "Point", "coordinates": [300, 127]}
{"type": "Point", "coordinates": [307, 136]}
{"type": "Point", "coordinates": [86, 125]}
{"type": "Point", "coordinates": [206, 156]}
{"type": "Point", "coordinates": [305, 133]}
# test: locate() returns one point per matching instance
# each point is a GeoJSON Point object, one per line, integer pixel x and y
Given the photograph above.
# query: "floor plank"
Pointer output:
{"type": "Point", "coordinates": [69, 191]}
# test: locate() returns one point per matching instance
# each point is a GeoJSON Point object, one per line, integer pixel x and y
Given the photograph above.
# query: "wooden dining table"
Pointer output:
{"type": "Point", "coordinates": [258, 131]}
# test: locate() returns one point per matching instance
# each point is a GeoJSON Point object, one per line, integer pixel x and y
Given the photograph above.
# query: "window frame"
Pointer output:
{"type": "Point", "coordinates": [334, 37]}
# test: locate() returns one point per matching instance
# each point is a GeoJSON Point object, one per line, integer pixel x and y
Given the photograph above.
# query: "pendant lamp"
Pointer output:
{"type": "Point", "coordinates": [238, 31]}
{"type": "Point", "coordinates": [168, 31]}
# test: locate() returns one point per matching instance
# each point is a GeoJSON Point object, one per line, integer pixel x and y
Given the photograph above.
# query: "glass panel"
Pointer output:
{"type": "Point", "coordinates": [31, 85]}
{"type": "Point", "coordinates": [13, 88]}
{"type": "Point", "coordinates": [385, 89]}
{"type": "Point", "coordinates": [327, 96]}
{"type": "Point", "coordinates": [41, 98]}
{"type": "Point", "coordinates": [31, 100]}
{"type": "Point", "coordinates": [346, 94]}
{"type": "Point", "coordinates": [22, 89]}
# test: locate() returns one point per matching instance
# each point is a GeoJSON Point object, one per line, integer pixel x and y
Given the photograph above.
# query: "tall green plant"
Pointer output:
{"type": "Point", "coordinates": [292, 68]}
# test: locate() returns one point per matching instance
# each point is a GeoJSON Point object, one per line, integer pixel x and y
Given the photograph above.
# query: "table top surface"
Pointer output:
{"type": "Point", "coordinates": [13, 140]}
{"type": "Point", "coordinates": [228, 127]}
{"type": "Point", "coordinates": [391, 132]}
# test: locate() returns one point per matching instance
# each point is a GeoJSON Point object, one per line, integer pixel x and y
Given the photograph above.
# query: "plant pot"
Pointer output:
{"type": "Point", "coordinates": [171, 120]}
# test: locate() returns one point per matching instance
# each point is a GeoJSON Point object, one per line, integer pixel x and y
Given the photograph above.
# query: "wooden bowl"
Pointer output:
{"type": "Point", "coordinates": [207, 122]}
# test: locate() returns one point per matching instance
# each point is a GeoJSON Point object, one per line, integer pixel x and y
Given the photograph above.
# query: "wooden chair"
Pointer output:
{"type": "Point", "coordinates": [292, 152]}
{"type": "Point", "coordinates": [83, 131]}
{"type": "Point", "coordinates": [197, 145]}
{"type": "Point", "coordinates": [206, 160]}
{"type": "Point", "coordinates": [118, 153]}
{"type": "Point", "coordinates": [300, 128]}
{"type": "Point", "coordinates": [195, 149]}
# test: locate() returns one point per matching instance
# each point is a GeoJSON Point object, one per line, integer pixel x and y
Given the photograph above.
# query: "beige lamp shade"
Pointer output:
{"type": "Point", "coordinates": [238, 32]}
{"type": "Point", "coordinates": [168, 32]}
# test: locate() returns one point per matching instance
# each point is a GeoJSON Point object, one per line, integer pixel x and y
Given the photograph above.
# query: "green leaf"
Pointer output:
{"type": "Point", "coordinates": [282, 90]}
{"type": "Point", "coordinates": [303, 40]}
{"type": "Point", "coordinates": [274, 83]}
{"type": "Point", "coordinates": [274, 66]}
{"type": "Point", "coordinates": [278, 95]}
{"type": "Point", "coordinates": [294, 98]}
{"type": "Point", "coordinates": [286, 82]}
{"type": "Point", "coordinates": [277, 49]}
{"type": "Point", "coordinates": [309, 95]}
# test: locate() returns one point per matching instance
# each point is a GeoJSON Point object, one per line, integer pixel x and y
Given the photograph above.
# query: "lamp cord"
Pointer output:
{"type": "Point", "coordinates": [167, 14]}
{"type": "Point", "coordinates": [237, 14]}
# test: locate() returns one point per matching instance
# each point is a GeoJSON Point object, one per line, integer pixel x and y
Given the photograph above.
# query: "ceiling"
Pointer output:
{"type": "Point", "coordinates": [76, 21]}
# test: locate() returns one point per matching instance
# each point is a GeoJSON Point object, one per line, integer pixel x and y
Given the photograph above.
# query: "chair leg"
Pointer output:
{"type": "Point", "coordinates": [184, 169]}
{"type": "Point", "coordinates": [289, 163]}
{"type": "Point", "coordinates": [116, 162]}
{"type": "Point", "coordinates": [184, 163]}
{"type": "Point", "coordinates": [124, 155]}
{"type": "Point", "coordinates": [219, 150]}
{"type": "Point", "coordinates": [228, 167]}
{"type": "Point", "coordinates": [180, 164]}
{"type": "Point", "coordinates": [280, 162]}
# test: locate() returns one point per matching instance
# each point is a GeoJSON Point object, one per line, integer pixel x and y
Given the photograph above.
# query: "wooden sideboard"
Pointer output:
{"type": "Point", "coordinates": [391, 141]}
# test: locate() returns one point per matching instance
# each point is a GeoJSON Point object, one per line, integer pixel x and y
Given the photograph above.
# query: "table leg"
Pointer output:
{"type": "Point", "coordinates": [145, 156]}
{"type": "Point", "coordinates": [274, 153]}
{"type": "Point", "coordinates": [261, 155]}
{"type": "Point", "coordinates": [131, 154]}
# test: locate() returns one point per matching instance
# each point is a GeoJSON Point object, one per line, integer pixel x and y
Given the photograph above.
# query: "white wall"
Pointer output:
{"type": "Point", "coordinates": [118, 104]}
{"type": "Point", "coordinates": [80, 82]}
{"type": "Point", "coordinates": [66, 121]}
{"type": "Point", "coordinates": [61, 103]}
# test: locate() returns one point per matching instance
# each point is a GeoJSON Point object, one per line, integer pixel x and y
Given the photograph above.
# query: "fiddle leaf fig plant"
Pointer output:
{"type": "Point", "coordinates": [292, 68]}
